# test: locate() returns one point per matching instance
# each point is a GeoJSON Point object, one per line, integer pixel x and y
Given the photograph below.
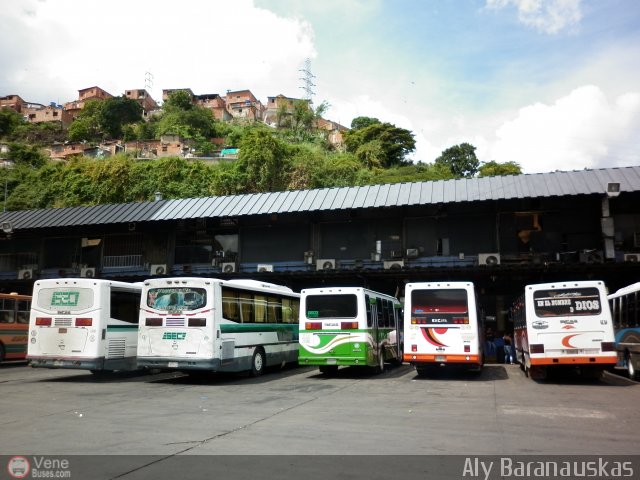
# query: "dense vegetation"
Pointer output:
{"type": "Point", "coordinates": [291, 155]}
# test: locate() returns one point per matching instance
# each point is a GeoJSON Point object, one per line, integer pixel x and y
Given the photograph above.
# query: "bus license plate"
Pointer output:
{"type": "Point", "coordinates": [331, 361]}
{"type": "Point", "coordinates": [440, 358]}
{"type": "Point", "coordinates": [62, 330]}
{"type": "Point", "coordinates": [172, 365]}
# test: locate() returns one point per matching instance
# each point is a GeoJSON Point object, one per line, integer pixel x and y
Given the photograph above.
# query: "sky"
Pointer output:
{"type": "Point", "coordinates": [548, 84]}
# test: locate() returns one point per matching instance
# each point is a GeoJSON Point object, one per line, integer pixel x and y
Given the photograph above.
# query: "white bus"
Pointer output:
{"type": "Point", "coordinates": [206, 324]}
{"type": "Point", "coordinates": [563, 324]}
{"type": "Point", "coordinates": [625, 311]}
{"type": "Point", "coordinates": [349, 326]}
{"type": "Point", "coordinates": [84, 323]}
{"type": "Point", "coordinates": [442, 326]}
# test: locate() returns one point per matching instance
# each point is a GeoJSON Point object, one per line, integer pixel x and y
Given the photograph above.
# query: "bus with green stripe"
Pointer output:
{"type": "Point", "coordinates": [84, 323]}
{"type": "Point", "coordinates": [349, 326]}
{"type": "Point", "coordinates": [196, 324]}
{"type": "Point", "coordinates": [14, 325]}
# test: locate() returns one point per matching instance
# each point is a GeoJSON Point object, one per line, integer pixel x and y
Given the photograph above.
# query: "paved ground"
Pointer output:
{"type": "Point", "coordinates": [299, 412]}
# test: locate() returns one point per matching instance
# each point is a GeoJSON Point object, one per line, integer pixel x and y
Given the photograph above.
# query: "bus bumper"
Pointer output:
{"type": "Point", "coordinates": [77, 363]}
{"type": "Point", "coordinates": [574, 360]}
{"type": "Point", "coordinates": [207, 364]}
{"type": "Point", "coordinates": [437, 359]}
{"type": "Point", "coordinates": [338, 361]}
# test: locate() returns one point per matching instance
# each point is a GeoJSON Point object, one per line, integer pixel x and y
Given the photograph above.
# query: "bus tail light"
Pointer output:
{"type": "Point", "coordinates": [313, 326]}
{"type": "Point", "coordinates": [84, 322]}
{"type": "Point", "coordinates": [461, 320]}
{"type": "Point", "coordinates": [43, 321]}
{"type": "Point", "coordinates": [197, 322]}
{"type": "Point", "coordinates": [608, 346]}
{"type": "Point", "coordinates": [467, 349]}
{"type": "Point", "coordinates": [414, 348]}
{"type": "Point", "coordinates": [418, 321]}
{"type": "Point", "coordinates": [153, 322]}
{"type": "Point", "coordinates": [536, 348]}
{"type": "Point", "coordinates": [348, 325]}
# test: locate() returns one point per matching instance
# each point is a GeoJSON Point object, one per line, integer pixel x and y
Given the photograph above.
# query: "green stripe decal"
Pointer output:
{"type": "Point", "coordinates": [121, 328]}
{"type": "Point", "coordinates": [256, 327]}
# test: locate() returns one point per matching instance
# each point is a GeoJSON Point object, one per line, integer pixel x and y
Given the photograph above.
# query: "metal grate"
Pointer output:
{"type": "Point", "coordinates": [62, 322]}
{"type": "Point", "coordinates": [116, 348]}
{"type": "Point", "coordinates": [174, 322]}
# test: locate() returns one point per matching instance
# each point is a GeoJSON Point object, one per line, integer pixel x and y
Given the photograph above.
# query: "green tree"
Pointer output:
{"type": "Point", "coordinates": [362, 122]}
{"type": "Point", "coordinates": [461, 159]}
{"type": "Point", "coordinates": [395, 143]}
{"type": "Point", "coordinates": [494, 169]}
{"type": "Point", "coordinates": [9, 120]}
{"type": "Point", "coordinates": [116, 112]}
{"type": "Point", "coordinates": [264, 160]}
{"type": "Point", "coordinates": [87, 125]}
{"type": "Point", "coordinates": [23, 154]}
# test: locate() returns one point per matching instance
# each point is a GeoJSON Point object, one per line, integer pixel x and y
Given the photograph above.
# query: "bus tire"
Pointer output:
{"type": "Point", "coordinates": [258, 362]}
{"type": "Point", "coordinates": [631, 369]}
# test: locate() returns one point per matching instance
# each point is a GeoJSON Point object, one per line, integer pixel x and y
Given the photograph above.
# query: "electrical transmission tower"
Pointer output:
{"type": "Point", "coordinates": [148, 81]}
{"type": "Point", "coordinates": [307, 80]}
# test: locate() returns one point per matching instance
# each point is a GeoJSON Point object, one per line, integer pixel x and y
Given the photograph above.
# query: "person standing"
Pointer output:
{"type": "Point", "coordinates": [508, 349]}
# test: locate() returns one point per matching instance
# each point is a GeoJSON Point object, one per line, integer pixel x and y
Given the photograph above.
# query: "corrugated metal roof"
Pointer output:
{"type": "Point", "coordinates": [554, 184]}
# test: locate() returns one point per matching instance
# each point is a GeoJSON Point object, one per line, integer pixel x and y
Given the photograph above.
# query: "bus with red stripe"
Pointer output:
{"type": "Point", "coordinates": [442, 326]}
{"type": "Point", "coordinates": [564, 324]}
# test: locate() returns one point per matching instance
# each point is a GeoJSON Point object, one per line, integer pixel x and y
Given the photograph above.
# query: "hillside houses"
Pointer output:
{"type": "Point", "coordinates": [234, 105]}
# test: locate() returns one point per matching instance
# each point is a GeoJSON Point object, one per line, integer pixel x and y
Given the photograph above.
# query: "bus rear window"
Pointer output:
{"type": "Point", "coordinates": [174, 299]}
{"type": "Point", "coordinates": [332, 306]}
{"type": "Point", "coordinates": [62, 298]}
{"type": "Point", "coordinates": [567, 302]}
{"type": "Point", "coordinates": [439, 306]}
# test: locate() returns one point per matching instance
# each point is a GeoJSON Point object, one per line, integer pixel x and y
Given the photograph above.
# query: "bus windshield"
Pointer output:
{"type": "Point", "coordinates": [440, 306]}
{"type": "Point", "coordinates": [332, 306]}
{"type": "Point", "coordinates": [65, 298]}
{"type": "Point", "coordinates": [567, 302]}
{"type": "Point", "coordinates": [173, 299]}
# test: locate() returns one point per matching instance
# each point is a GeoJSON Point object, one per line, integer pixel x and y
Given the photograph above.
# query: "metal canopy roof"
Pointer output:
{"type": "Point", "coordinates": [554, 184]}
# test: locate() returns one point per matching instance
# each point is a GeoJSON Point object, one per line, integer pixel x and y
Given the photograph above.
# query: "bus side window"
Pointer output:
{"type": "Point", "coordinates": [369, 312]}
{"type": "Point", "coordinates": [230, 305]}
{"type": "Point", "coordinates": [380, 312]}
{"type": "Point", "coordinates": [6, 317]}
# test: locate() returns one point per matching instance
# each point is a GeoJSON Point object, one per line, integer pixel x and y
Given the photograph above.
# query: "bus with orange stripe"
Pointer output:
{"type": "Point", "coordinates": [442, 327]}
{"type": "Point", "coordinates": [14, 325]}
{"type": "Point", "coordinates": [564, 324]}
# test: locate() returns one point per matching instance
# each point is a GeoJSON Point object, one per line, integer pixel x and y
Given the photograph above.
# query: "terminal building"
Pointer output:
{"type": "Point", "coordinates": [499, 232]}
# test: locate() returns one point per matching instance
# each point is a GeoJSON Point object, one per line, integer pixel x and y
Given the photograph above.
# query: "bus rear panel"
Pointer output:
{"type": "Point", "coordinates": [84, 324]}
{"type": "Point", "coordinates": [442, 326]}
{"type": "Point", "coordinates": [215, 325]}
{"type": "Point", "coordinates": [348, 326]}
{"type": "Point", "coordinates": [564, 324]}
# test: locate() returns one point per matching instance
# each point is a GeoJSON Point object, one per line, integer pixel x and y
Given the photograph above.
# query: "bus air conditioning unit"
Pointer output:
{"type": "Point", "coordinates": [325, 264]}
{"type": "Point", "coordinates": [393, 264]}
{"type": "Point", "coordinates": [228, 267]}
{"type": "Point", "coordinates": [632, 257]}
{"type": "Point", "coordinates": [25, 274]}
{"type": "Point", "coordinates": [158, 269]}
{"type": "Point", "coordinates": [488, 259]}
{"type": "Point", "coordinates": [87, 272]}
{"type": "Point", "coordinates": [263, 267]}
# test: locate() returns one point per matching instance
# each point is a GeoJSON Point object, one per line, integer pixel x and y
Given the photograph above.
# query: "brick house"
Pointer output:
{"type": "Point", "coordinates": [215, 103]}
{"type": "Point", "coordinates": [243, 104]}
{"type": "Point", "coordinates": [13, 102]}
{"type": "Point", "coordinates": [145, 100]}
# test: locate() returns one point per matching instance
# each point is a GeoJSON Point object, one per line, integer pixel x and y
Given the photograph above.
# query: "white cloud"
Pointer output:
{"type": "Point", "coordinates": [206, 46]}
{"type": "Point", "coordinates": [581, 130]}
{"type": "Point", "coordinates": [548, 16]}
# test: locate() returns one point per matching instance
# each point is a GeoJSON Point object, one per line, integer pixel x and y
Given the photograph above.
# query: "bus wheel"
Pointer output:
{"type": "Point", "coordinates": [328, 370]}
{"type": "Point", "coordinates": [631, 369]}
{"type": "Point", "coordinates": [258, 363]}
